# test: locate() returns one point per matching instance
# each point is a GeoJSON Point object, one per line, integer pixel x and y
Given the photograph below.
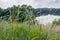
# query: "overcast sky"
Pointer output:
{"type": "Point", "coordinates": [34, 3]}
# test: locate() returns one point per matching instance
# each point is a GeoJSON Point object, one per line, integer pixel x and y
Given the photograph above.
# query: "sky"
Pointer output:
{"type": "Point", "coordinates": [33, 3]}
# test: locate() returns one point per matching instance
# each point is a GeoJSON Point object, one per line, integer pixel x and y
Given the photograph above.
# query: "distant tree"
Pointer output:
{"type": "Point", "coordinates": [56, 22]}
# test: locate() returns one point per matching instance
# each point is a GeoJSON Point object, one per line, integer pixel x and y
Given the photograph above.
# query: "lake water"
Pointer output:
{"type": "Point", "coordinates": [47, 19]}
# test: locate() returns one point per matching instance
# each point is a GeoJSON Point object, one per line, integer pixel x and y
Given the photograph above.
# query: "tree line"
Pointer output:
{"type": "Point", "coordinates": [23, 12]}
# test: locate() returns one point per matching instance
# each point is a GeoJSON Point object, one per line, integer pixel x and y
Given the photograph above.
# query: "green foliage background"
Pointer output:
{"type": "Point", "coordinates": [17, 28]}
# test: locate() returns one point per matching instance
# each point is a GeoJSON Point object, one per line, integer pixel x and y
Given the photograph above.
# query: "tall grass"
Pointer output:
{"type": "Point", "coordinates": [20, 31]}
